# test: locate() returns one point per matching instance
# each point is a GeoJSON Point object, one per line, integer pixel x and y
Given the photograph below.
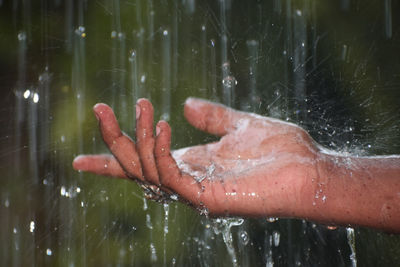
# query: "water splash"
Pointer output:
{"type": "Point", "coordinates": [223, 226]}
{"type": "Point", "coordinates": [352, 244]}
{"type": "Point", "coordinates": [43, 84]}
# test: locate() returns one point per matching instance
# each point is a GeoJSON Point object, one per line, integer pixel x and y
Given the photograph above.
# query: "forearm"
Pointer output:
{"type": "Point", "coordinates": [362, 191]}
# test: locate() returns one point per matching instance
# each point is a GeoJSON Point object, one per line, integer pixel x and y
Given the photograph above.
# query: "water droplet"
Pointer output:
{"type": "Point", "coordinates": [153, 252]}
{"type": "Point", "coordinates": [272, 219]}
{"type": "Point", "coordinates": [32, 226]}
{"type": "Point", "coordinates": [226, 67]}
{"type": "Point", "coordinates": [132, 57]}
{"type": "Point", "coordinates": [63, 191]}
{"type": "Point", "coordinates": [229, 81]}
{"type": "Point", "coordinates": [145, 207]}
{"type": "Point", "coordinates": [244, 237]}
{"type": "Point", "coordinates": [6, 203]}
{"type": "Point", "coordinates": [21, 36]}
{"type": "Point", "coordinates": [27, 93]}
{"type": "Point", "coordinates": [174, 197]}
{"type": "Point", "coordinates": [35, 98]}
{"type": "Point", "coordinates": [81, 31]}
{"type": "Point", "coordinates": [212, 42]}
{"type": "Point", "coordinates": [166, 212]}
{"type": "Point", "coordinates": [165, 117]}
{"type": "Point", "coordinates": [204, 211]}
{"type": "Point", "coordinates": [49, 252]}
{"type": "Point", "coordinates": [148, 222]}
{"type": "Point", "coordinates": [277, 236]}
{"type": "Point", "coordinates": [165, 32]}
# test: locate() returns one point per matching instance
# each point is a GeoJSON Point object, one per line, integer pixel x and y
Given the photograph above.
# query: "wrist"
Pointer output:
{"type": "Point", "coordinates": [334, 198]}
{"type": "Point", "coordinates": [316, 196]}
{"type": "Point", "coordinates": [305, 181]}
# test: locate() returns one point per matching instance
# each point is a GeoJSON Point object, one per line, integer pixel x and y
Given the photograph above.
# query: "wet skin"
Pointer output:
{"type": "Point", "coordinates": [261, 167]}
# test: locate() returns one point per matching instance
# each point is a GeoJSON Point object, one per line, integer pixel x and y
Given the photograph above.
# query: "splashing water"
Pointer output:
{"type": "Point", "coordinates": [352, 244]}
{"type": "Point", "coordinates": [223, 227]}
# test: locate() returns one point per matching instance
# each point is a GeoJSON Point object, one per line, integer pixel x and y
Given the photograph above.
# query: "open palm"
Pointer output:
{"type": "Point", "coordinates": [259, 166]}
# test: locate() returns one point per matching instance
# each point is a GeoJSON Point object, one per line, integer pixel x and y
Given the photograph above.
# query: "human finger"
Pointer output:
{"type": "Point", "coordinates": [169, 174]}
{"type": "Point", "coordinates": [102, 164]}
{"type": "Point", "coordinates": [120, 145]}
{"type": "Point", "coordinates": [145, 140]}
{"type": "Point", "coordinates": [212, 117]}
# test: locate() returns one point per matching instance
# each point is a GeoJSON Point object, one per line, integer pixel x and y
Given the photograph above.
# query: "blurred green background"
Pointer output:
{"type": "Point", "coordinates": [332, 67]}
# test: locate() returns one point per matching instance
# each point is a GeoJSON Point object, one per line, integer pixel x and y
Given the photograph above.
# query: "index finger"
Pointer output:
{"type": "Point", "coordinates": [120, 145]}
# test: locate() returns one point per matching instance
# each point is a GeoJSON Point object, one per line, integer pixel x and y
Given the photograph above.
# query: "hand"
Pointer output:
{"type": "Point", "coordinates": [260, 166]}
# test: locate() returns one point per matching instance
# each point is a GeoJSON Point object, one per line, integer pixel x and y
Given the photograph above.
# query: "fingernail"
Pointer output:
{"type": "Point", "coordinates": [137, 112]}
{"type": "Point", "coordinates": [97, 115]}
{"type": "Point", "coordinates": [99, 109]}
{"type": "Point", "coordinates": [95, 111]}
{"type": "Point", "coordinates": [77, 161]}
{"type": "Point", "coordinates": [158, 130]}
